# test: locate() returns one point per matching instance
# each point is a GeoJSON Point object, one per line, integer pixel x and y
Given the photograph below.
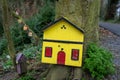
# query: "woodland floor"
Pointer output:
{"type": "Point", "coordinates": [112, 42]}
{"type": "Point", "coordinates": [107, 40]}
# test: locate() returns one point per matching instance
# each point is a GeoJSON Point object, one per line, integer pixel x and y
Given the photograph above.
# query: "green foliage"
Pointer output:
{"type": "Point", "coordinates": [19, 36]}
{"type": "Point", "coordinates": [3, 45]}
{"type": "Point", "coordinates": [7, 65]}
{"type": "Point", "coordinates": [42, 18]}
{"type": "Point", "coordinates": [6, 61]}
{"type": "Point", "coordinates": [27, 77]}
{"type": "Point", "coordinates": [32, 52]}
{"type": "Point", "coordinates": [38, 56]}
{"type": "Point", "coordinates": [99, 62]}
{"type": "Point", "coordinates": [36, 22]}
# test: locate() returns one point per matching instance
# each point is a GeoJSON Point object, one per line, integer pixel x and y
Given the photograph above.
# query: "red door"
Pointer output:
{"type": "Point", "coordinates": [61, 58]}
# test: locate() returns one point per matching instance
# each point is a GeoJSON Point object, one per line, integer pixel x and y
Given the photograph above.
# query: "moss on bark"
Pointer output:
{"type": "Point", "coordinates": [5, 13]}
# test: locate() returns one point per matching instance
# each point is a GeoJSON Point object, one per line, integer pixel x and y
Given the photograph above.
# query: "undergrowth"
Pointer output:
{"type": "Point", "coordinates": [98, 62]}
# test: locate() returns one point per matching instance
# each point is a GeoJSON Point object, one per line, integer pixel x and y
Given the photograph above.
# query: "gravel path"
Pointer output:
{"type": "Point", "coordinates": [112, 42]}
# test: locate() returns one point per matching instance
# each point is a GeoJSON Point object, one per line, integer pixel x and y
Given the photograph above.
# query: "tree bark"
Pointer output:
{"type": "Point", "coordinates": [84, 14]}
{"type": "Point", "coordinates": [11, 48]}
{"type": "Point", "coordinates": [104, 9]}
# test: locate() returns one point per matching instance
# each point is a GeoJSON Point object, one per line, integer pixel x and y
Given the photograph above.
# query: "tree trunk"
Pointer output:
{"type": "Point", "coordinates": [11, 48]}
{"type": "Point", "coordinates": [104, 9]}
{"type": "Point", "coordinates": [84, 14]}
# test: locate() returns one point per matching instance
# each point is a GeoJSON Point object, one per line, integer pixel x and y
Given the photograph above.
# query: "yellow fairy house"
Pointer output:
{"type": "Point", "coordinates": [62, 43]}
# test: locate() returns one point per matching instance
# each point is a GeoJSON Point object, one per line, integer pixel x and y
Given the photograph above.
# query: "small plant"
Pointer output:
{"type": "Point", "coordinates": [39, 50]}
{"type": "Point", "coordinates": [30, 53]}
{"type": "Point", "coordinates": [27, 77]}
{"type": "Point", "coordinates": [6, 61]}
{"type": "Point", "coordinates": [99, 62]}
{"type": "Point", "coordinates": [7, 65]}
{"type": "Point", "coordinates": [3, 45]}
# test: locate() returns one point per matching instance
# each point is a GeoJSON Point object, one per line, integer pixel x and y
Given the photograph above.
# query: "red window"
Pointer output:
{"type": "Point", "coordinates": [48, 52]}
{"type": "Point", "coordinates": [75, 54]}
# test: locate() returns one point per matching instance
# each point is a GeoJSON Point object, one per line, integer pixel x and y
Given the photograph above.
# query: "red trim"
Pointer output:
{"type": "Point", "coordinates": [75, 54]}
{"type": "Point", "coordinates": [48, 51]}
{"type": "Point", "coordinates": [61, 58]}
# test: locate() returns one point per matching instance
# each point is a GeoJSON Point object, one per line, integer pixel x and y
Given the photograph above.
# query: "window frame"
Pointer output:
{"type": "Point", "coordinates": [73, 54]}
{"type": "Point", "coordinates": [49, 53]}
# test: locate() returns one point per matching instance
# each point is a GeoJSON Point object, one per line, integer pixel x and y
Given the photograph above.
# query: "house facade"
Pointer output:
{"type": "Point", "coordinates": [62, 43]}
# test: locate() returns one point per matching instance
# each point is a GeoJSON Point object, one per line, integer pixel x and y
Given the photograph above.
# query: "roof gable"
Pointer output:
{"type": "Point", "coordinates": [62, 18]}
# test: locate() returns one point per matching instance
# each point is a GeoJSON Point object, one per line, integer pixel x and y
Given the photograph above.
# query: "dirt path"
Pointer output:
{"type": "Point", "coordinates": [9, 76]}
{"type": "Point", "coordinates": [114, 28]}
{"type": "Point", "coordinates": [112, 42]}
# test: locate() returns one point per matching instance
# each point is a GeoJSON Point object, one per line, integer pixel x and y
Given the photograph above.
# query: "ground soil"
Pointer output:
{"type": "Point", "coordinates": [107, 40]}
{"type": "Point", "coordinates": [112, 43]}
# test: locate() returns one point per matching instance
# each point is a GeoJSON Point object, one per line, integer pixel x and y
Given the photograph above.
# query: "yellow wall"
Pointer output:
{"type": "Point", "coordinates": [72, 34]}
{"type": "Point", "coordinates": [67, 48]}
{"type": "Point", "coordinates": [55, 32]}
